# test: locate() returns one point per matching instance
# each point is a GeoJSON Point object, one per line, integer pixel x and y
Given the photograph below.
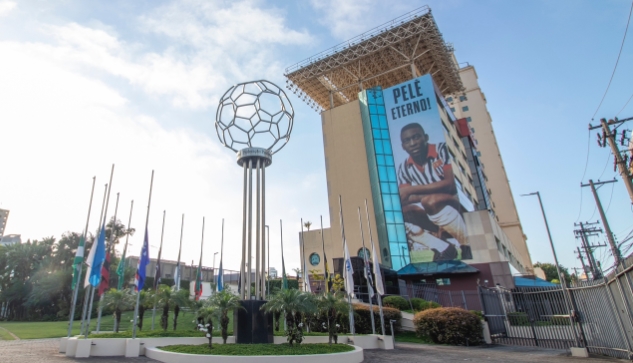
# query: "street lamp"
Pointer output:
{"type": "Point", "coordinates": [549, 234]}
{"type": "Point", "coordinates": [214, 275]}
{"type": "Point", "coordinates": [268, 263]}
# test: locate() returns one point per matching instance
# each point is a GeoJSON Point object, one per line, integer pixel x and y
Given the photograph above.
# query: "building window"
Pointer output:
{"type": "Point", "coordinates": [453, 109]}
{"type": "Point", "coordinates": [450, 99]}
{"type": "Point", "coordinates": [462, 98]}
{"type": "Point", "coordinates": [498, 244]}
{"type": "Point", "coordinates": [315, 259]}
{"type": "Point", "coordinates": [443, 282]}
{"type": "Point", "coordinates": [465, 108]}
{"type": "Point", "coordinates": [469, 119]}
{"type": "Point", "coordinates": [364, 252]}
{"type": "Point", "coordinates": [446, 128]}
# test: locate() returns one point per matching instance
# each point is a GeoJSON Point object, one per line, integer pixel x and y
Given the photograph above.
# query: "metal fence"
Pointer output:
{"type": "Point", "coordinates": [597, 315]}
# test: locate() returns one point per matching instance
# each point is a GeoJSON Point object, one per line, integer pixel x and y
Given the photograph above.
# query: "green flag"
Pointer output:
{"type": "Point", "coordinates": [79, 259]}
{"type": "Point", "coordinates": [120, 271]}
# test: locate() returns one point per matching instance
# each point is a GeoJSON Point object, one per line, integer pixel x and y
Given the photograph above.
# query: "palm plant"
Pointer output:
{"type": "Point", "coordinates": [331, 305]}
{"type": "Point", "coordinates": [117, 301]}
{"type": "Point", "coordinates": [146, 299]}
{"type": "Point", "coordinates": [207, 313]}
{"type": "Point", "coordinates": [179, 299]}
{"type": "Point", "coordinates": [164, 297]}
{"type": "Point", "coordinates": [292, 303]}
{"type": "Point", "coordinates": [224, 302]}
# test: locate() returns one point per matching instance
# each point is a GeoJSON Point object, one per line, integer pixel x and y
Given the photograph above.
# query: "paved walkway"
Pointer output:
{"type": "Point", "coordinates": [46, 350]}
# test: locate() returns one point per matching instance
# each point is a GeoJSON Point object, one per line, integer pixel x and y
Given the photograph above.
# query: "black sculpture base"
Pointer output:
{"type": "Point", "coordinates": [251, 325]}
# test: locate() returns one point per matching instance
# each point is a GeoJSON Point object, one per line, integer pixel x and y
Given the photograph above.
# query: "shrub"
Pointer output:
{"type": "Point", "coordinates": [362, 319]}
{"type": "Point", "coordinates": [518, 319]}
{"type": "Point", "coordinates": [421, 304]}
{"type": "Point", "coordinates": [479, 314]}
{"type": "Point", "coordinates": [454, 326]}
{"type": "Point", "coordinates": [397, 302]}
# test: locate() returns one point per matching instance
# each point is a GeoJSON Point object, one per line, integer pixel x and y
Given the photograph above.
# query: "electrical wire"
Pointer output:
{"type": "Point", "coordinates": [623, 107]}
{"type": "Point", "coordinates": [610, 198]}
{"type": "Point", "coordinates": [584, 173]}
{"type": "Point", "coordinates": [616, 62]}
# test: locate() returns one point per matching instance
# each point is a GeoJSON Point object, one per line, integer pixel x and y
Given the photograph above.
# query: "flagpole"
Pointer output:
{"type": "Point", "coordinates": [303, 258]}
{"type": "Point", "coordinates": [157, 269]}
{"type": "Point", "coordinates": [138, 293]}
{"type": "Point", "coordinates": [198, 289]}
{"type": "Point", "coordinates": [122, 263]}
{"type": "Point", "coordinates": [373, 257]}
{"type": "Point", "coordinates": [79, 268]}
{"type": "Point", "coordinates": [177, 282]}
{"type": "Point", "coordinates": [105, 216]}
{"type": "Point", "coordinates": [349, 298]}
{"type": "Point", "coordinates": [219, 285]}
{"type": "Point", "coordinates": [326, 273]}
{"type": "Point", "coordinates": [370, 289]}
{"type": "Point", "coordinates": [108, 248]}
{"type": "Point", "coordinates": [284, 279]}
{"type": "Point", "coordinates": [86, 282]}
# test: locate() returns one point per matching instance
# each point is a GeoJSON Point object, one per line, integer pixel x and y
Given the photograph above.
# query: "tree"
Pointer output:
{"type": "Point", "coordinates": [179, 299]}
{"type": "Point", "coordinates": [551, 273]}
{"type": "Point", "coordinates": [331, 305]}
{"type": "Point", "coordinates": [146, 300]}
{"type": "Point", "coordinates": [224, 302]}
{"type": "Point", "coordinates": [207, 313]}
{"type": "Point", "coordinates": [338, 284]}
{"type": "Point", "coordinates": [297, 272]}
{"type": "Point", "coordinates": [164, 297]}
{"type": "Point", "coordinates": [292, 303]}
{"type": "Point", "coordinates": [307, 224]}
{"type": "Point", "coordinates": [117, 301]}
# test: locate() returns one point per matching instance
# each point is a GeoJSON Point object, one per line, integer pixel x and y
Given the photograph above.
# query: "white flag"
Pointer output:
{"type": "Point", "coordinates": [306, 279]}
{"type": "Point", "coordinates": [380, 288]}
{"type": "Point", "coordinates": [89, 262]}
{"type": "Point", "coordinates": [348, 274]}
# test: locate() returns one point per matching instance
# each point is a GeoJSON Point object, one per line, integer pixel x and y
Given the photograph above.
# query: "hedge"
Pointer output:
{"type": "Point", "coordinates": [421, 304]}
{"type": "Point", "coordinates": [397, 302]}
{"type": "Point", "coordinates": [454, 326]}
{"type": "Point", "coordinates": [362, 319]}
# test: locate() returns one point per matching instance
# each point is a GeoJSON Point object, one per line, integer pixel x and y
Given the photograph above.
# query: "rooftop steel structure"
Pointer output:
{"type": "Point", "coordinates": [410, 45]}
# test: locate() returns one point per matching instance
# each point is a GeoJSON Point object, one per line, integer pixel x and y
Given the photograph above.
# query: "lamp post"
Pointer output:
{"type": "Point", "coordinates": [268, 262]}
{"type": "Point", "coordinates": [215, 281]}
{"type": "Point", "coordinates": [563, 283]}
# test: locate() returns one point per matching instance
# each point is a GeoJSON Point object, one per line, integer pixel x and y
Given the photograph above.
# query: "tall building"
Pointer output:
{"type": "Point", "coordinates": [10, 239]}
{"type": "Point", "coordinates": [392, 140]}
{"type": "Point", "coordinates": [4, 217]}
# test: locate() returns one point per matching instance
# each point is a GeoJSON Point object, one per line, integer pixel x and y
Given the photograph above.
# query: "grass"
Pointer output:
{"type": "Point", "coordinates": [410, 337]}
{"type": "Point", "coordinates": [4, 335]}
{"type": "Point", "coordinates": [56, 329]}
{"type": "Point", "coordinates": [259, 349]}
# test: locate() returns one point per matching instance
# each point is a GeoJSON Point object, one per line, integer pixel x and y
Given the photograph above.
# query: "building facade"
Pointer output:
{"type": "Point", "coordinates": [4, 217]}
{"type": "Point", "coordinates": [372, 188]}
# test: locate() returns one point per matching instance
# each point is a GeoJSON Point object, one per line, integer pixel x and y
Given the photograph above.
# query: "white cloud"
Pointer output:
{"type": "Point", "coordinates": [346, 18]}
{"type": "Point", "coordinates": [6, 7]}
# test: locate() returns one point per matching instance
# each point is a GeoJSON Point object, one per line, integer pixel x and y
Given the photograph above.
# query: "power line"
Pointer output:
{"type": "Point", "coordinates": [623, 107]}
{"type": "Point", "coordinates": [583, 175]}
{"type": "Point", "coordinates": [616, 62]}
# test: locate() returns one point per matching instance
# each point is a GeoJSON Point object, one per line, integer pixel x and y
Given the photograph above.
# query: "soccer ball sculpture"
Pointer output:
{"type": "Point", "coordinates": [254, 114]}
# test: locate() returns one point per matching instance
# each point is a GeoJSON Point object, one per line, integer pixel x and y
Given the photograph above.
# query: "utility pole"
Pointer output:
{"type": "Point", "coordinates": [615, 251]}
{"type": "Point", "coordinates": [584, 267]}
{"type": "Point", "coordinates": [619, 160]}
{"type": "Point", "coordinates": [583, 233]}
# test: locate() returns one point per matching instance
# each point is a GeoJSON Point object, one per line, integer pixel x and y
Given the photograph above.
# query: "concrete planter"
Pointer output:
{"type": "Point", "coordinates": [355, 356]}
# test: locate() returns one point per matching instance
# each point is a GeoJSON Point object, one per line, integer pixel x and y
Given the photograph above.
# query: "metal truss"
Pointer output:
{"type": "Point", "coordinates": [384, 56]}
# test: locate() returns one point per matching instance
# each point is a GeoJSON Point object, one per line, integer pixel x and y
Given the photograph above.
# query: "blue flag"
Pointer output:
{"type": "Point", "coordinates": [100, 253]}
{"type": "Point", "coordinates": [142, 264]}
{"type": "Point", "coordinates": [220, 285]}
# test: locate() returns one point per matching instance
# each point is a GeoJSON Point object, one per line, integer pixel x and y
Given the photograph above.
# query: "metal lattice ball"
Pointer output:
{"type": "Point", "coordinates": [254, 114]}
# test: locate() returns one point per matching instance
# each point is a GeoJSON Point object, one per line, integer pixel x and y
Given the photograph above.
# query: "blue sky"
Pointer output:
{"type": "Point", "coordinates": [86, 84]}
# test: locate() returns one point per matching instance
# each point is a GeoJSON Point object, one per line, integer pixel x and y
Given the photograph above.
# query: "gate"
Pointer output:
{"type": "Point", "coordinates": [531, 317]}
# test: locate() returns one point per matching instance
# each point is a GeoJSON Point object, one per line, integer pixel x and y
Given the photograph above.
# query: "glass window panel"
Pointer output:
{"type": "Point", "coordinates": [402, 235]}
{"type": "Point", "coordinates": [392, 174]}
{"type": "Point", "coordinates": [375, 123]}
{"type": "Point", "coordinates": [372, 108]}
{"type": "Point", "coordinates": [389, 217]}
{"type": "Point", "coordinates": [381, 109]}
{"type": "Point", "coordinates": [382, 173]}
{"type": "Point", "coordinates": [380, 160]}
{"type": "Point", "coordinates": [376, 133]}
{"type": "Point", "coordinates": [393, 188]}
{"type": "Point", "coordinates": [378, 147]}
{"type": "Point", "coordinates": [384, 187]}
{"type": "Point", "coordinates": [391, 232]}
{"type": "Point", "coordinates": [383, 122]}
{"type": "Point", "coordinates": [395, 202]}
{"type": "Point", "coordinates": [387, 146]}
{"type": "Point", "coordinates": [386, 201]}
{"type": "Point", "coordinates": [385, 134]}
{"type": "Point", "coordinates": [398, 217]}
{"type": "Point", "coordinates": [389, 159]}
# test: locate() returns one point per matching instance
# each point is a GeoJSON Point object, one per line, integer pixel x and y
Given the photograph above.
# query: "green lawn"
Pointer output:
{"type": "Point", "coordinates": [410, 337]}
{"type": "Point", "coordinates": [259, 349]}
{"type": "Point", "coordinates": [5, 336]}
{"type": "Point", "coordinates": [56, 329]}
